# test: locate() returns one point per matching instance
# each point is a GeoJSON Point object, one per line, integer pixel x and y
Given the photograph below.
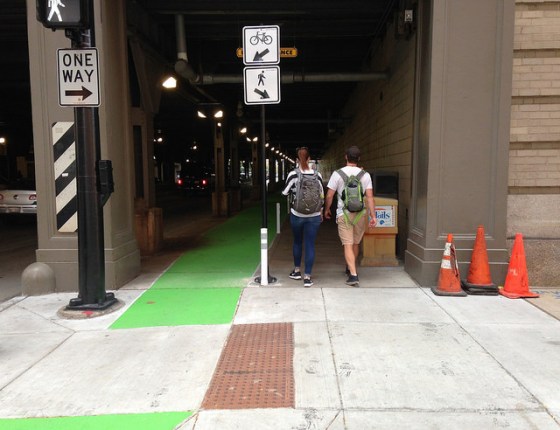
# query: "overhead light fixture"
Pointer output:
{"type": "Point", "coordinates": [219, 114]}
{"type": "Point", "coordinates": [200, 114]}
{"type": "Point", "coordinates": [170, 83]}
{"type": "Point", "coordinates": [255, 139]}
{"type": "Point", "coordinates": [243, 130]}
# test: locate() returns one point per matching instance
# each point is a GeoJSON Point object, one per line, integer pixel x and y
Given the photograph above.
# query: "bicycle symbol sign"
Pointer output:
{"type": "Point", "coordinates": [261, 45]}
{"type": "Point", "coordinates": [261, 36]}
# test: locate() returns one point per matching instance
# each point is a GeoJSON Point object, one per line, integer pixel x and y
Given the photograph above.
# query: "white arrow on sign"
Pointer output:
{"type": "Point", "coordinates": [78, 77]}
{"type": "Point", "coordinates": [262, 85]}
{"type": "Point", "coordinates": [261, 45]}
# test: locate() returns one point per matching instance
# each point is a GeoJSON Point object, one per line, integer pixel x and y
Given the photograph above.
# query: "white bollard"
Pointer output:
{"type": "Point", "coordinates": [277, 218]}
{"type": "Point", "coordinates": [264, 256]}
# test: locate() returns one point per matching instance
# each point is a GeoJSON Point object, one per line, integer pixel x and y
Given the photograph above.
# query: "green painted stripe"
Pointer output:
{"type": "Point", "coordinates": [201, 280]}
{"type": "Point", "coordinates": [159, 421]}
{"type": "Point", "coordinates": [174, 307]}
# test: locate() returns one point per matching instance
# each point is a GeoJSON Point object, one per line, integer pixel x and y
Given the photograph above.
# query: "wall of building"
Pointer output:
{"type": "Point", "coordinates": [442, 119]}
{"type": "Point", "coordinates": [381, 120]}
{"type": "Point", "coordinates": [534, 156]}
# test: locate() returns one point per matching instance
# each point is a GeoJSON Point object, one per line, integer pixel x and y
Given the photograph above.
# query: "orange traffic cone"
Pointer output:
{"type": "Point", "coordinates": [516, 285]}
{"type": "Point", "coordinates": [479, 280]}
{"type": "Point", "coordinates": [449, 283]}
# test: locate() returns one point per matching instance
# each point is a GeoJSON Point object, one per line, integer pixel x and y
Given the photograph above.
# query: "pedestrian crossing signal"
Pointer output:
{"type": "Point", "coordinates": [64, 13]}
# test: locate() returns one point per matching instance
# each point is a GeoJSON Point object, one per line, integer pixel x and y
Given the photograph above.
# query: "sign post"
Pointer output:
{"type": "Point", "coordinates": [78, 81]}
{"type": "Point", "coordinates": [261, 82]}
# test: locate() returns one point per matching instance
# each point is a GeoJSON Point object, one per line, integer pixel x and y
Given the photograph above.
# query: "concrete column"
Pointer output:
{"type": "Point", "coordinates": [462, 113]}
{"type": "Point", "coordinates": [220, 203]}
{"type": "Point", "coordinates": [272, 185]}
{"type": "Point", "coordinates": [234, 186]}
{"type": "Point", "coordinates": [59, 250]}
{"type": "Point", "coordinates": [256, 172]}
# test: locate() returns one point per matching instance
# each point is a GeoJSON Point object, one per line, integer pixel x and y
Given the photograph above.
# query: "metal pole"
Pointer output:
{"type": "Point", "coordinates": [91, 246]}
{"type": "Point", "coordinates": [265, 277]}
{"type": "Point", "coordinates": [277, 218]}
{"type": "Point", "coordinates": [263, 168]}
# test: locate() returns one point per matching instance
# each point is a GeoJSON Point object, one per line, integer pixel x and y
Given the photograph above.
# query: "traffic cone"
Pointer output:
{"type": "Point", "coordinates": [479, 280]}
{"type": "Point", "coordinates": [516, 285]}
{"type": "Point", "coordinates": [449, 283]}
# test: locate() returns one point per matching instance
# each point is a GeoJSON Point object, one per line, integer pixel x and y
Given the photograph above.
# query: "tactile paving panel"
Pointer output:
{"type": "Point", "coordinates": [255, 369]}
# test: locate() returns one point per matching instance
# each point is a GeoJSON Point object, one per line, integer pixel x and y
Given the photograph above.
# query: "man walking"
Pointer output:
{"type": "Point", "coordinates": [350, 183]}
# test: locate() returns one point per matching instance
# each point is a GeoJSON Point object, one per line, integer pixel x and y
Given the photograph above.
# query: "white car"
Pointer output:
{"type": "Point", "coordinates": [18, 200]}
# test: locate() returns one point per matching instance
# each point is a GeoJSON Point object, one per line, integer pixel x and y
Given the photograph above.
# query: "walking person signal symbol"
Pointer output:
{"type": "Point", "coordinates": [54, 4]}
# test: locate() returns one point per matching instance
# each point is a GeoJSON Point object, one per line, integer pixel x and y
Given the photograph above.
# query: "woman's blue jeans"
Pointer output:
{"type": "Point", "coordinates": [304, 230]}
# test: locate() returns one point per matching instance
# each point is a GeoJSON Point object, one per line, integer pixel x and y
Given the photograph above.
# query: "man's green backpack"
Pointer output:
{"type": "Point", "coordinates": [352, 195]}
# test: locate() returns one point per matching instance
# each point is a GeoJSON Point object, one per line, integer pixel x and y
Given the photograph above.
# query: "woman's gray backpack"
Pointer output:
{"type": "Point", "coordinates": [308, 197]}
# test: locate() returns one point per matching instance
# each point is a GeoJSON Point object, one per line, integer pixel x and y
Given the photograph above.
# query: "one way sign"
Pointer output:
{"type": "Point", "coordinates": [78, 77]}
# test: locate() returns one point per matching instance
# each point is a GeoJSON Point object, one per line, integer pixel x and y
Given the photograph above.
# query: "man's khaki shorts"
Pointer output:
{"type": "Point", "coordinates": [351, 234]}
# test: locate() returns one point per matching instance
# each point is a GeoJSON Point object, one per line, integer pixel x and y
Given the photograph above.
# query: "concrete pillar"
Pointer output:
{"type": "Point", "coordinates": [220, 197]}
{"type": "Point", "coordinates": [462, 113]}
{"type": "Point", "coordinates": [59, 250]}
{"type": "Point", "coordinates": [272, 185]}
{"type": "Point", "coordinates": [234, 186]}
{"type": "Point", "coordinates": [256, 172]}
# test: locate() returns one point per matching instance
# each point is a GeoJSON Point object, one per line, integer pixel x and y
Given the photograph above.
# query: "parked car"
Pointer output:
{"type": "Point", "coordinates": [18, 198]}
{"type": "Point", "coordinates": [196, 180]}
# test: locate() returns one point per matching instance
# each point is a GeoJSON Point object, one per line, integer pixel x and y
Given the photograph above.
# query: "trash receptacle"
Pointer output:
{"type": "Point", "coordinates": [379, 243]}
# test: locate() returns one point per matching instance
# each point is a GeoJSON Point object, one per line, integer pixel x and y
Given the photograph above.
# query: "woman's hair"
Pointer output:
{"type": "Point", "coordinates": [303, 157]}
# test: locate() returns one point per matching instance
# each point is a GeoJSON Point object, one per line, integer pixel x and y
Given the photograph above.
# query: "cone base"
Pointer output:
{"type": "Point", "coordinates": [439, 292]}
{"type": "Point", "coordinates": [525, 295]}
{"type": "Point", "coordinates": [484, 290]}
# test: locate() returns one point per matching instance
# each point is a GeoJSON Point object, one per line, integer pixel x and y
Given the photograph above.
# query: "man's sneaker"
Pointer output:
{"type": "Point", "coordinates": [295, 275]}
{"type": "Point", "coordinates": [353, 281]}
{"type": "Point", "coordinates": [307, 282]}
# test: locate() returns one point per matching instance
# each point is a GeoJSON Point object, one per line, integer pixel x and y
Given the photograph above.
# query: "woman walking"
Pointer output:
{"type": "Point", "coordinates": [305, 185]}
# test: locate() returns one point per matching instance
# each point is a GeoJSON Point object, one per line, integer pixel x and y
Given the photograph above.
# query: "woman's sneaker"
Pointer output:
{"type": "Point", "coordinates": [307, 282]}
{"type": "Point", "coordinates": [295, 275]}
{"type": "Point", "coordinates": [353, 281]}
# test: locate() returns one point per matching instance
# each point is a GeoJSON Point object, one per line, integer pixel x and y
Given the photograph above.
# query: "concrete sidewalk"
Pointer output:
{"type": "Point", "coordinates": [386, 355]}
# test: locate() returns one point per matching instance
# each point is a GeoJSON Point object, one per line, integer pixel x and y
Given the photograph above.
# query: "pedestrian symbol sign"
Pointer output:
{"type": "Point", "coordinates": [63, 13]}
{"type": "Point", "coordinates": [261, 45]}
{"type": "Point", "coordinates": [262, 85]}
{"type": "Point", "coordinates": [78, 77]}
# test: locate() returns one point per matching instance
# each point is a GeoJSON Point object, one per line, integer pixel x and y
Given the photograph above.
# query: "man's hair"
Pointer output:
{"type": "Point", "coordinates": [353, 154]}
